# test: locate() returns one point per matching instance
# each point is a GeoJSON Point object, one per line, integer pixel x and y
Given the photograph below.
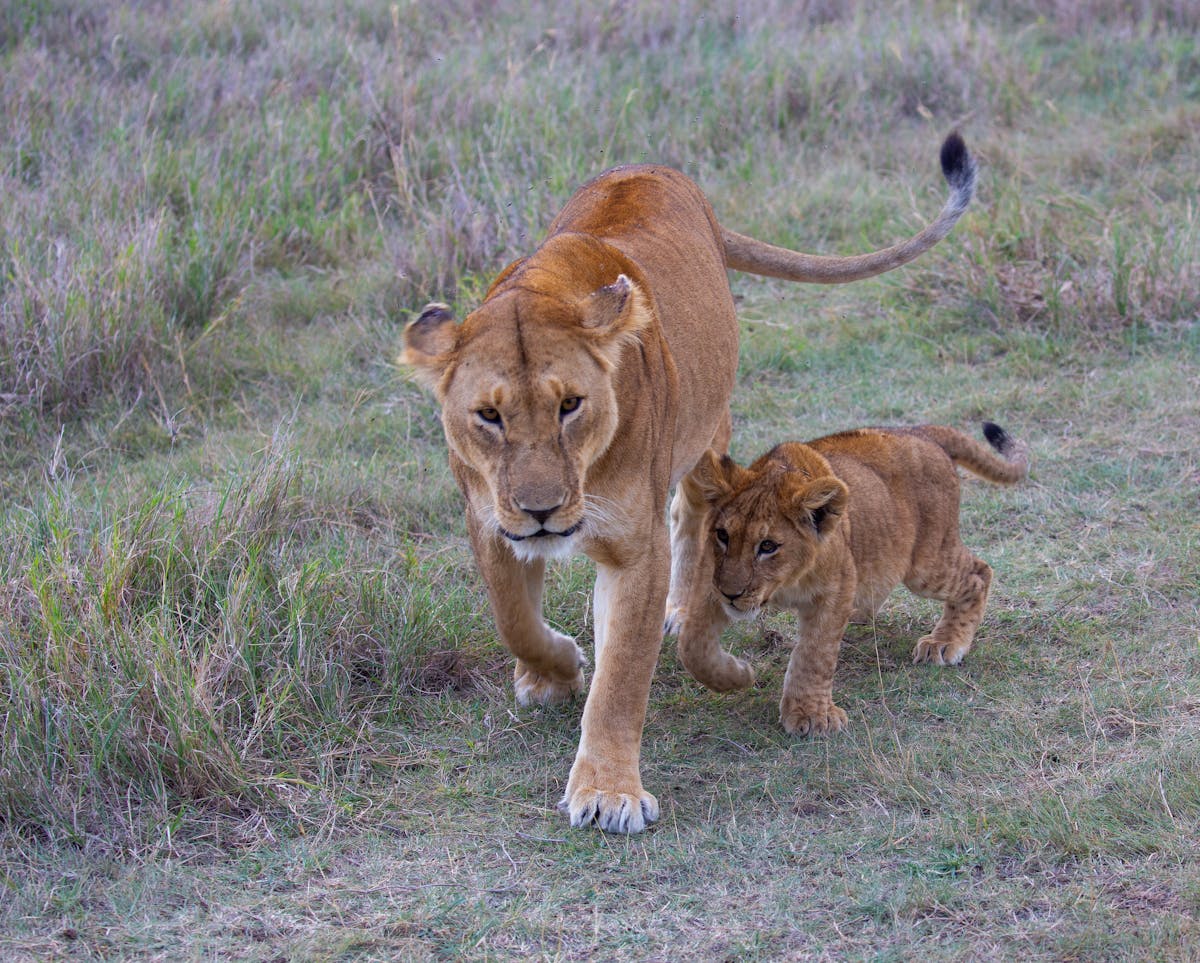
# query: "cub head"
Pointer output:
{"type": "Point", "coordinates": [767, 524]}
{"type": "Point", "coordinates": [526, 386]}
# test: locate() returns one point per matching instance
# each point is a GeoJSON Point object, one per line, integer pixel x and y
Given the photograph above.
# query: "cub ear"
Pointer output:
{"type": "Point", "coordinates": [713, 477]}
{"type": "Point", "coordinates": [616, 310]}
{"type": "Point", "coordinates": [819, 503]}
{"type": "Point", "coordinates": [429, 343]}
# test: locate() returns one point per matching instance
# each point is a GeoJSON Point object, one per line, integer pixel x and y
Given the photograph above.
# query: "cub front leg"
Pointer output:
{"type": "Point", "coordinates": [688, 512]}
{"type": "Point", "coordinates": [807, 707]}
{"type": "Point", "coordinates": [699, 644]}
{"type": "Point", "coordinates": [605, 784]}
{"type": "Point", "coordinates": [549, 665]}
{"type": "Point", "coordinates": [689, 531]}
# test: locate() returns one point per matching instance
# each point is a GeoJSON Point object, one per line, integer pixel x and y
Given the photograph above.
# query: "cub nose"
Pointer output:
{"type": "Point", "coordinates": [732, 596]}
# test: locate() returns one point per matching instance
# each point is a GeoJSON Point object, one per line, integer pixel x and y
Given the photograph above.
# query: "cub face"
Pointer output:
{"type": "Point", "coordinates": [528, 404]}
{"type": "Point", "coordinates": [768, 525]}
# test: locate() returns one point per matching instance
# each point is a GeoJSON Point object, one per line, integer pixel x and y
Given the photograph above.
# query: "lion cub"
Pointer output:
{"type": "Point", "coordinates": [828, 529]}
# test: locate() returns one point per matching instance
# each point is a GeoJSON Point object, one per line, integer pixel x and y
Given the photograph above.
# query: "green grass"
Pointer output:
{"type": "Point", "coordinates": [253, 705]}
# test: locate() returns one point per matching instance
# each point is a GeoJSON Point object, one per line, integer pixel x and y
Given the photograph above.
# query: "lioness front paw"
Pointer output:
{"type": "Point", "coordinates": [728, 674]}
{"type": "Point", "coordinates": [544, 689]}
{"type": "Point", "coordinates": [614, 812]}
{"type": "Point", "coordinates": [811, 720]}
{"type": "Point", "coordinates": [939, 652]}
{"type": "Point", "coordinates": [673, 621]}
{"type": "Point", "coordinates": [538, 690]}
{"type": "Point", "coordinates": [616, 802]}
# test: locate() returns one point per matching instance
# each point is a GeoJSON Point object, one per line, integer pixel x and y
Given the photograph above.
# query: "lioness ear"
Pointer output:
{"type": "Point", "coordinates": [819, 503]}
{"type": "Point", "coordinates": [605, 306]}
{"type": "Point", "coordinates": [616, 309]}
{"type": "Point", "coordinates": [429, 343]}
{"type": "Point", "coordinates": [713, 477]}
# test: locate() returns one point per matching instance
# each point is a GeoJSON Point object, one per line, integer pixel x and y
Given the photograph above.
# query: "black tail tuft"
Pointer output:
{"type": "Point", "coordinates": [958, 166]}
{"type": "Point", "coordinates": [997, 437]}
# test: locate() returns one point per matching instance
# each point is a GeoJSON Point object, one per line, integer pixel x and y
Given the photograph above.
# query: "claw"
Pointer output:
{"type": "Point", "coordinates": [612, 812]}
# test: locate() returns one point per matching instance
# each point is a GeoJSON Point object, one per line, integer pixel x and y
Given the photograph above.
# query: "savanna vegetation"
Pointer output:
{"type": "Point", "coordinates": [253, 706]}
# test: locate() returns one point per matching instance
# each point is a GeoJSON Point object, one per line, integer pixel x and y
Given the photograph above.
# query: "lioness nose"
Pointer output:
{"type": "Point", "coordinates": [539, 500]}
{"type": "Point", "coordinates": [732, 596]}
{"type": "Point", "coordinates": [541, 514]}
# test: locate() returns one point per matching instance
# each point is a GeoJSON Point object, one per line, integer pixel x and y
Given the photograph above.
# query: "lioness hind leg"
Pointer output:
{"type": "Point", "coordinates": [963, 587]}
{"type": "Point", "coordinates": [688, 513]}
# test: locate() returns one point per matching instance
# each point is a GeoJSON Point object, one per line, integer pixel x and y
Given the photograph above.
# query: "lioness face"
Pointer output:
{"type": "Point", "coordinates": [531, 425]}
{"type": "Point", "coordinates": [526, 387]}
{"type": "Point", "coordinates": [766, 528]}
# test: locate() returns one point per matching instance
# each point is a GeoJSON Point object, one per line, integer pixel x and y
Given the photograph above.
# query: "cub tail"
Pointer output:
{"type": "Point", "coordinates": [1005, 463]}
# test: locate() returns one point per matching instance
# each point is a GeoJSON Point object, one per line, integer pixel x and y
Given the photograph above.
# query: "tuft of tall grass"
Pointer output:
{"type": "Point", "coordinates": [186, 651]}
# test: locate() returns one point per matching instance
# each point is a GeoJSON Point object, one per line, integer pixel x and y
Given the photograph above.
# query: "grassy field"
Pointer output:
{"type": "Point", "coordinates": [253, 706]}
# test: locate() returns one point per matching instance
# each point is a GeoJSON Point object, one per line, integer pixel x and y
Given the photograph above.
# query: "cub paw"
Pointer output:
{"type": "Point", "coordinates": [673, 621]}
{"type": "Point", "coordinates": [613, 812]}
{"type": "Point", "coordinates": [809, 720]}
{"type": "Point", "coordinates": [939, 652]}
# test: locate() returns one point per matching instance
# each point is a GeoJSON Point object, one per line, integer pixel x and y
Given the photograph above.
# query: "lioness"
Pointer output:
{"type": "Point", "coordinates": [828, 529]}
{"type": "Point", "coordinates": [590, 380]}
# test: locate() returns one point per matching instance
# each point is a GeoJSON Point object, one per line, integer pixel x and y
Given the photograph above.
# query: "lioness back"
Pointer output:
{"type": "Point", "coordinates": [661, 221]}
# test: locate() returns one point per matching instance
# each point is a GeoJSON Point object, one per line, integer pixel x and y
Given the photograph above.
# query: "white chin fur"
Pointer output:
{"type": "Point", "coordinates": [547, 548]}
{"type": "Point", "coordinates": [738, 615]}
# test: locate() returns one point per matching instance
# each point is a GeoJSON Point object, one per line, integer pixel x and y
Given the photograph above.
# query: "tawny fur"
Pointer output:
{"type": "Point", "coordinates": [828, 529]}
{"type": "Point", "coordinates": [590, 380]}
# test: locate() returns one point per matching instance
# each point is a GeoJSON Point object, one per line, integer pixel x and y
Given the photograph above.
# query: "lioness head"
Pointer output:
{"type": "Point", "coordinates": [767, 524]}
{"type": "Point", "coordinates": [526, 388]}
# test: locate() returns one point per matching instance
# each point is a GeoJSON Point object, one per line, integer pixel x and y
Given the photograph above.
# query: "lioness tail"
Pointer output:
{"type": "Point", "coordinates": [744, 253]}
{"type": "Point", "coordinates": [1009, 468]}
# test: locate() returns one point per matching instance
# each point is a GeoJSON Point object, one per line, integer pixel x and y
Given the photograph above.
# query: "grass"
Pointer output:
{"type": "Point", "coordinates": [253, 706]}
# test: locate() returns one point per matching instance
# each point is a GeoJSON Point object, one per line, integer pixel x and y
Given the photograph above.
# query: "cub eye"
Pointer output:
{"type": "Point", "coordinates": [722, 536]}
{"type": "Point", "coordinates": [490, 415]}
{"type": "Point", "coordinates": [767, 547]}
{"type": "Point", "coordinates": [570, 404]}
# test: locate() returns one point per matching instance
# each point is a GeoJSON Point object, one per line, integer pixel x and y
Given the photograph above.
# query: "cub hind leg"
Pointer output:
{"type": "Point", "coordinates": [962, 584]}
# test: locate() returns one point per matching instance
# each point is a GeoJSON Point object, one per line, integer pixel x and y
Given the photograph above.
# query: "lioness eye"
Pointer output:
{"type": "Point", "coordinates": [767, 547]}
{"type": "Point", "coordinates": [490, 415]}
{"type": "Point", "coordinates": [722, 536]}
{"type": "Point", "coordinates": [569, 404]}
